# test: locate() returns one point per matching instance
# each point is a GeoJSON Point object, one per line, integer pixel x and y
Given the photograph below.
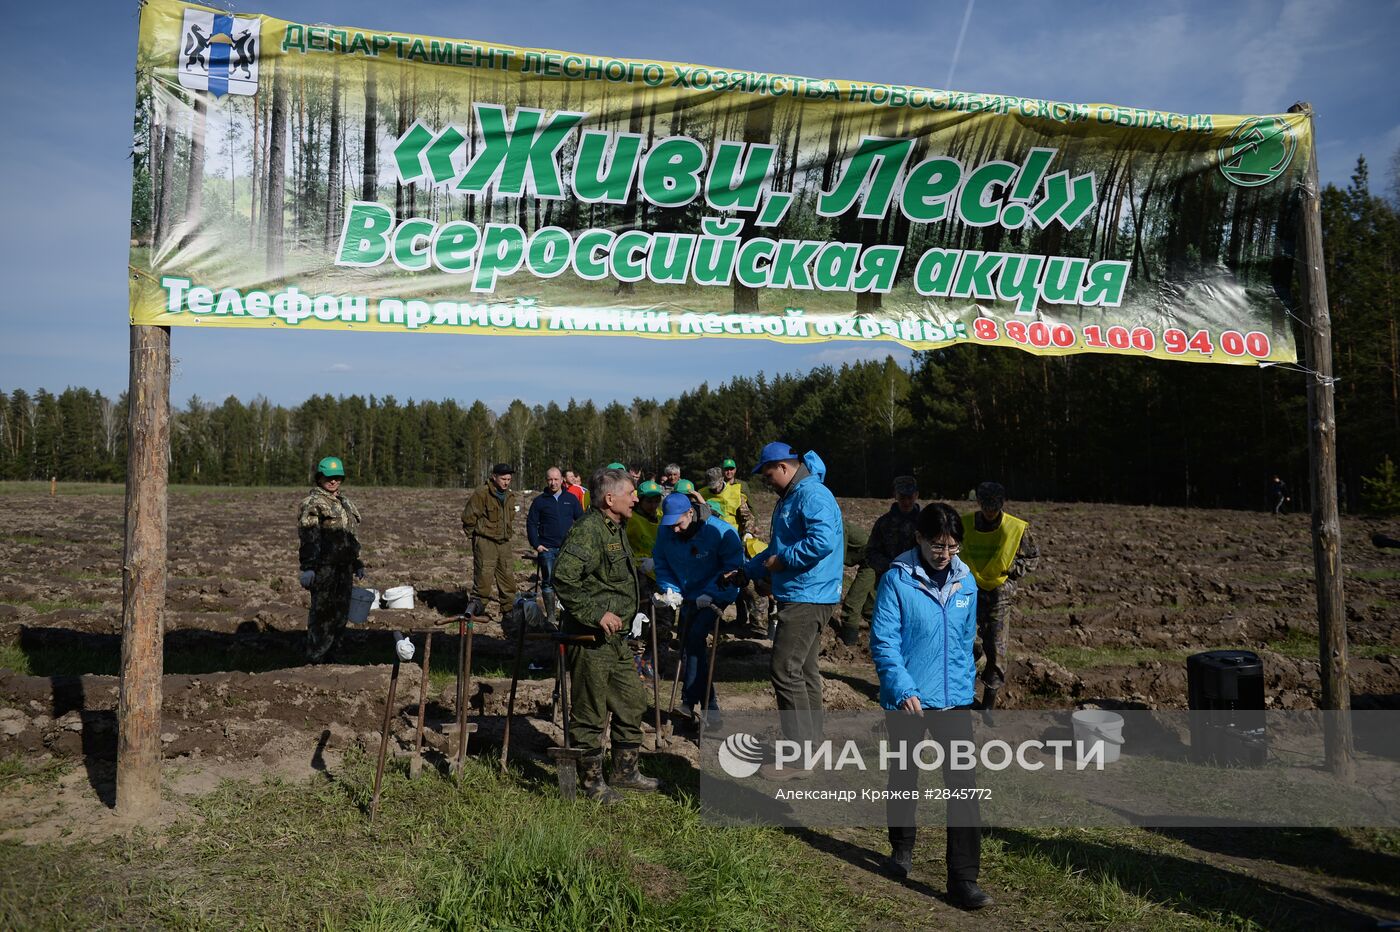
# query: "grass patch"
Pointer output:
{"type": "Point", "coordinates": [486, 852]}
{"type": "Point", "coordinates": [504, 852]}
{"type": "Point", "coordinates": [16, 769]}
{"type": "Point", "coordinates": [22, 539]}
{"type": "Point", "coordinates": [1375, 575]}
{"type": "Point", "coordinates": [1079, 658]}
{"type": "Point", "coordinates": [1302, 645]}
{"type": "Point", "coordinates": [43, 606]}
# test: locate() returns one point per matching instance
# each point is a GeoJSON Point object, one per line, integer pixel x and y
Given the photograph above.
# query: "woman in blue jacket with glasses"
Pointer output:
{"type": "Point", "coordinates": [921, 641]}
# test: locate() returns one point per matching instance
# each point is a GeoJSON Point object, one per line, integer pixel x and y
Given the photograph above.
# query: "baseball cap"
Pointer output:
{"type": "Point", "coordinates": [673, 506]}
{"type": "Point", "coordinates": [729, 464]}
{"type": "Point", "coordinates": [775, 452]}
{"type": "Point", "coordinates": [650, 488]}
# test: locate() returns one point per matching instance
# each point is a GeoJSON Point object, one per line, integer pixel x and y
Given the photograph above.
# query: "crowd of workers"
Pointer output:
{"type": "Point", "coordinates": [934, 587]}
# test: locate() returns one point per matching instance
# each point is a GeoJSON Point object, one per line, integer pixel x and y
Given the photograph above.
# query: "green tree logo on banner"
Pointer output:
{"type": "Point", "coordinates": [1258, 151]}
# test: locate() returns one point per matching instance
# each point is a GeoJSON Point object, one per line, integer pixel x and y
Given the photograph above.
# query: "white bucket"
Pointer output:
{"type": "Point", "coordinates": [398, 597]}
{"type": "Point", "coordinates": [1095, 725]}
{"type": "Point", "coordinates": [361, 601]}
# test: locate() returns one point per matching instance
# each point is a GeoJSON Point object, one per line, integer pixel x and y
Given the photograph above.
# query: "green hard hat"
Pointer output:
{"type": "Point", "coordinates": [729, 464]}
{"type": "Point", "coordinates": [331, 466]}
{"type": "Point", "coordinates": [649, 488]}
{"type": "Point", "coordinates": [616, 466]}
{"type": "Point", "coordinates": [685, 486]}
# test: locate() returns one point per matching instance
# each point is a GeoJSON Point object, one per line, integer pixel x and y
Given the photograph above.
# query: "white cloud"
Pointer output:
{"type": "Point", "coordinates": [338, 367]}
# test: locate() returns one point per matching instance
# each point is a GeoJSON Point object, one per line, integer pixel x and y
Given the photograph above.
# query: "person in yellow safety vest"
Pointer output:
{"type": "Point", "coordinates": [739, 497]}
{"type": "Point", "coordinates": [997, 547]}
{"type": "Point", "coordinates": [644, 525]}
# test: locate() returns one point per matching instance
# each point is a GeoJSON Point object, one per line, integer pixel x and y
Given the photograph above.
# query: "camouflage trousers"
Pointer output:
{"type": "Point", "coordinates": [330, 607]}
{"type": "Point", "coordinates": [493, 559]}
{"type": "Point", "coordinates": [605, 680]}
{"type": "Point", "coordinates": [994, 632]}
{"type": "Point", "coordinates": [860, 598]}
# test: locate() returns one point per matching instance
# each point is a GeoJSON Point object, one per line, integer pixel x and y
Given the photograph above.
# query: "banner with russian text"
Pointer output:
{"type": "Point", "coordinates": [316, 177]}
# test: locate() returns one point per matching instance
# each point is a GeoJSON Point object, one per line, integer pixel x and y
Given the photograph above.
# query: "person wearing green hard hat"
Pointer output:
{"type": "Point", "coordinates": [329, 557]}
{"type": "Point", "coordinates": [644, 525]}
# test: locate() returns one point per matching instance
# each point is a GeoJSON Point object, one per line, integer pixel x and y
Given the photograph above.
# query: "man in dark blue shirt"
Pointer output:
{"type": "Point", "coordinates": [551, 515]}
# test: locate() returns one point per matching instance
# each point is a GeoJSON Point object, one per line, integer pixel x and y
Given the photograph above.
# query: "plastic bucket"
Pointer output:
{"type": "Point", "coordinates": [1092, 726]}
{"type": "Point", "coordinates": [398, 597]}
{"type": "Point", "coordinates": [361, 601]}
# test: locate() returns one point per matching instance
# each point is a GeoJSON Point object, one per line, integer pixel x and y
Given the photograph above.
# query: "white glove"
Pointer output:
{"type": "Point", "coordinates": [704, 601]}
{"type": "Point", "coordinates": [648, 564]}
{"type": "Point", "coordinates": [637, 621]}
{"type": "Point", "coordinates": [405, 649]}
{"type": "Point", "coordinates": [306, 578]}
{"type": "Point", "coordinates": [670, 598]}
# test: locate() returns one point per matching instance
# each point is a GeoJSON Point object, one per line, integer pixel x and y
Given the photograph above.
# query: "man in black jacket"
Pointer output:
{"type": "Point", "coordinates": [551, 515]}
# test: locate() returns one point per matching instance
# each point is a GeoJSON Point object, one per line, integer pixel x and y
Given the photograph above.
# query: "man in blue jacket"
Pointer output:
{"type": "Point", "coordinates": [691, 554]}
{"type": "Point", "coordinates": [551, 515]}
{"type": "Point", "coordinates": [803, 562]}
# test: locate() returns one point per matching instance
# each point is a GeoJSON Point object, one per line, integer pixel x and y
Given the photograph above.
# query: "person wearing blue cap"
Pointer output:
{"type": "Point", "coordinates": [692, 554]}
{"type": "Point", "coordinates": [804, 563]}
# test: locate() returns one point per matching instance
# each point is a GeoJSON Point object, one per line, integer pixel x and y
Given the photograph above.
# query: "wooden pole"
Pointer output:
{"type": "Point", "coordinates": [1322, 456]}
{"type": "Point", "coordinates": [143, 573]}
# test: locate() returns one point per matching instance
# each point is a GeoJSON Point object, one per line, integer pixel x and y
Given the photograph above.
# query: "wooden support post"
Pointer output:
{"type": "Point", "coordinates": [1322, 456]}
{"type": "Point", "coordinates": [143, 573]}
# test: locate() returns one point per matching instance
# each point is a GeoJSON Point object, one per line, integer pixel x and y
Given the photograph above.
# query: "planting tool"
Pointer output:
{"type": "Point", "coordinates": [384, 732]}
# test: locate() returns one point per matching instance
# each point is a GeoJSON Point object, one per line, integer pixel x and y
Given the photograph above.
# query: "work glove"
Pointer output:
{"type": "Point", "coordinates": [705, 601]}
{"type": "Point", "coordinates": [670, 598]}
{"type": "Point", "coordinates": [648, 564]}
{"type": "Point", "coordinates": [637, 621]}
{"type": "Point", "coordinates": [306, 578]}
{"type": "Point", "coordinates": [404, 648]}
{"type": "Point", "coordinates": [359, 570]}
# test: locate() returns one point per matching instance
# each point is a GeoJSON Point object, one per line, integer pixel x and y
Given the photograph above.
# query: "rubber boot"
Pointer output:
{"type": "Point", "coordinates": [590, 770]}
{"type": "Point", "coordinates": [850, 636]}
{"type": "Point", "coordinates": [626, 776]}
{"type": "Point", "coordinates": [901, 862]}
{"type": "Point", "coordinates": [965, 894]}
{"type": "Point", "coordinates": [989, 698]}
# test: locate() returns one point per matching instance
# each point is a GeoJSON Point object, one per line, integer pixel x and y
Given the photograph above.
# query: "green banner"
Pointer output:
{"type": "Point", "coordinates": [316, 177]}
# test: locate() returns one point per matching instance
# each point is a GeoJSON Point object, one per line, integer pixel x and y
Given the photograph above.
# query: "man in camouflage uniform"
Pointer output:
{"type": "Point", "coordinates": [595, 579]}
{"type": "Point", "coordinates": [859, 600]}
{"type": "Point", "coordinates": [329, 557]}
{"type": "Point", "coordinates": [487, 520]}
{"type": "Point", "coordinates": [997, 547]}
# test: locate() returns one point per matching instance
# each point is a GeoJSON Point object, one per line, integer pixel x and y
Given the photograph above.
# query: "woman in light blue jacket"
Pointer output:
{"type": "Point", "coordinates": [921, 641]}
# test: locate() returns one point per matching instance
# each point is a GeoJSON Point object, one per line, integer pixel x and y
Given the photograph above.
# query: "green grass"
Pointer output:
{"type": "Point", "coordinates": [1302, 645]}
{"type": "Point", "coordinates": [22, 539]}
{"type": "Point", "coordinates": [488, 852]}
{"type": "Point", "coordinates": [44, 606]}
{"type": "Point", "coordinates": [1375, 575]}
{"type": "Point", "coordinates": [504, 852]}
{"type": "Point", "coordinates": [1078, 658]}
{"type": "Point", "coordinates": [16, 768]}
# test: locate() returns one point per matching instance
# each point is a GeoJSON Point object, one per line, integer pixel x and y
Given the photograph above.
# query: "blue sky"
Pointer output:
{"type": "Point", "coordinates": [67, 105]}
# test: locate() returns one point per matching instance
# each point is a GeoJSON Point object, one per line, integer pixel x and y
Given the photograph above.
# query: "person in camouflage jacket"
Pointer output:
{"type": "Point", "coordinates": [595, 579]}
{"type": "Point", "coordinates": [329, 558]}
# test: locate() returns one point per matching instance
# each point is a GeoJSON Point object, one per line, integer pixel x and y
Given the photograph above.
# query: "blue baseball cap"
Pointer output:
{"type": "Point", "coordinates": [775, 452]}
{"type": "Point", "coordinates": [673, 506]}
